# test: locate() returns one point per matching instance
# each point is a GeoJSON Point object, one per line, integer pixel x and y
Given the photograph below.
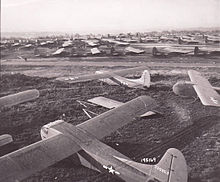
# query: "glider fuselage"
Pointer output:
{"type": "Point", "coordinates": [131, 83]}
{"type": "Point", "coordinates": [97, 155]}
{"type": "Point", "coordinates": [184, 89]}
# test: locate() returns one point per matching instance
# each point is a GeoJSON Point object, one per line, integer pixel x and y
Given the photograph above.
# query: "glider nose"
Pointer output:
{"type": "Point", "coordinates": [44, 132]}
{"type": "Point", "coordinates": [184, 89]}
{"type": "Point", "coordinates": [176, 88]}
{"type": "Point", "coordinates": [48, 130]}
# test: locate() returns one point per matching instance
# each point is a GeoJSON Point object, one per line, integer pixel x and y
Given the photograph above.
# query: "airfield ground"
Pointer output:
{"type": "Point", "coordinates": [194, 127]}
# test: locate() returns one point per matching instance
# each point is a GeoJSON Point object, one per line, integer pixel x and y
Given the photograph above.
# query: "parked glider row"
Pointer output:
{"type": "Point", "coordinates": [176, 51]}
{"type": "Point", "coordinates": [198, 86]}
{"type": "Point", "coordinates": [112, 45]}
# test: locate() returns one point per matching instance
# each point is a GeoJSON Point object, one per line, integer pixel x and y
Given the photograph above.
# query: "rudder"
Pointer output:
{"type": "Point", "coordinates": [171, 168]}
{"type": "Point", "coordinates": [145, 78]}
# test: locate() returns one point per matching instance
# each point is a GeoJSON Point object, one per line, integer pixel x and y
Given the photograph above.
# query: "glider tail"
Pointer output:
{"type": "Point", "coordinates": [154, 51]}
{"type": "Point", "coordinates": [172, 167]}
{"type": "Point", "coordinates": [196, 50]}
{"type": "Point", "coordinates": [206, 39]}
{"type": "Point", "coordinates": [145, 78]}
{"type": "Point", "coordinates": [180, 41]}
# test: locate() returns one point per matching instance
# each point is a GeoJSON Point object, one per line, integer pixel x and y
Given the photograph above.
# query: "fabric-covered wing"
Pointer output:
{"type": "Point", "coordinates": [110, 104]}
{"type": "Point", "coordinates": [204, 90]}
{"type": "Point", "coordinates": [105, 102]}
{"type": "Point", "coordinates": [89, 77]}
{"type": "Point", "coordinates": [114, 119]}
{"type": "Point", "coordinates": [22, 163]}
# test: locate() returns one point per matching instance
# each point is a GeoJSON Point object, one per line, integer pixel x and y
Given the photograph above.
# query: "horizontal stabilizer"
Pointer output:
{"type": "Point", "coordinates": [148, 113]}
{"type": "Point", "coordinates": [105, 102]}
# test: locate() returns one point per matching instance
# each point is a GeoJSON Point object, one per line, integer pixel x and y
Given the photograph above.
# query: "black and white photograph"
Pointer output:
{"type": "Point", "coordinates": [110, 91]}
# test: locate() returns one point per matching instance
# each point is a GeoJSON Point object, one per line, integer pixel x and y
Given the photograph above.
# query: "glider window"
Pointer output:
{"type": "Point", "coordinates": [153, 180]}
{"type": "Point", "coordinates": [45, 130]}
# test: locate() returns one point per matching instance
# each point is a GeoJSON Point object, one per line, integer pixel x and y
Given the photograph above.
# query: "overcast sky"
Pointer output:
{"type": "Point", "coordinates": [103, 16]}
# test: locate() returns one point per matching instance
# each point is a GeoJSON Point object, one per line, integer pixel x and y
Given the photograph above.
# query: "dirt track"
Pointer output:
{"type": "Point", "coordinates": [96, 62]}
{"type": "Point", "coordinates": [56, 67]}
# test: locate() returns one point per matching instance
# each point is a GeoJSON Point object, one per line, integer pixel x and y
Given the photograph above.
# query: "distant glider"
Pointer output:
{"type": "Point", "coordinates": [212, 51]}
{"type": "Point", "coordinates": [18, 98]}
{"type": "Point", "coordinates": [189, 41]}
{"type": "Point", "coordinates": [212, 39]}
{"type": "Point", "coordinates": [171, 51]}
{"type": "Point", "coordinates": [114, 77]}
{"type": "Point", "coordinates": [142, 82]}
{"type": "Point", "coordinates": [199, 86]}
{"type": "Point", "coordinates": [132, 50]}
{"type": "Point", "coordinates": [115, 42]}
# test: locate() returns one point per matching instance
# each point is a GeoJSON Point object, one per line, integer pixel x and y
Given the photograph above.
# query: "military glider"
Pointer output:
{"type": "Point", "coordinates": [95, 51]}
{"type": "Point", "coordinates": [91, 43]}
{"type": "Point", "coordinates": [150, 39]}
{"type": "Point", "coordinates": [212, 39]}
{"type": "Point", "coordinates": [184, 40]}
{"type": "Point", "coordinates": [132, 50]}
{"type": "Point", "coordinates": [114, 78]}
{"type": "Point", "coordinates": [18, 98]}
{"type": "Point", "coordinates": [213, 51]}
{"type": "Point", "coordinates": [167, 39]}
{"type": "Point", "coordinates": [115, 42]}
{"type": "Point", "coordinates": [61, 139]}
{"type": "Point", "coordinates": [199, 86]}
{"type": "Point", "coordinates": [172, 51]}
{"type": "Point", "coordinates": [142, 82]}
{"type": "Point", "coordinates": [59, 52]}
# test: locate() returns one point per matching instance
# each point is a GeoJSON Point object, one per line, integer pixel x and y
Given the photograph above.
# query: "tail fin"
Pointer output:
{"type": "Point", "coordinates": [180, 41]}
{"type": "Point", "coordinates": [206, 39]}
{"type": "Point", "coordinates": [171, 168]}
{"type": "Point", "coordinates": [154, 51]}
{"type": "Point", "coordinates": [196, 50]}
{"type": "Point", "coordinates": [145, 78]}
